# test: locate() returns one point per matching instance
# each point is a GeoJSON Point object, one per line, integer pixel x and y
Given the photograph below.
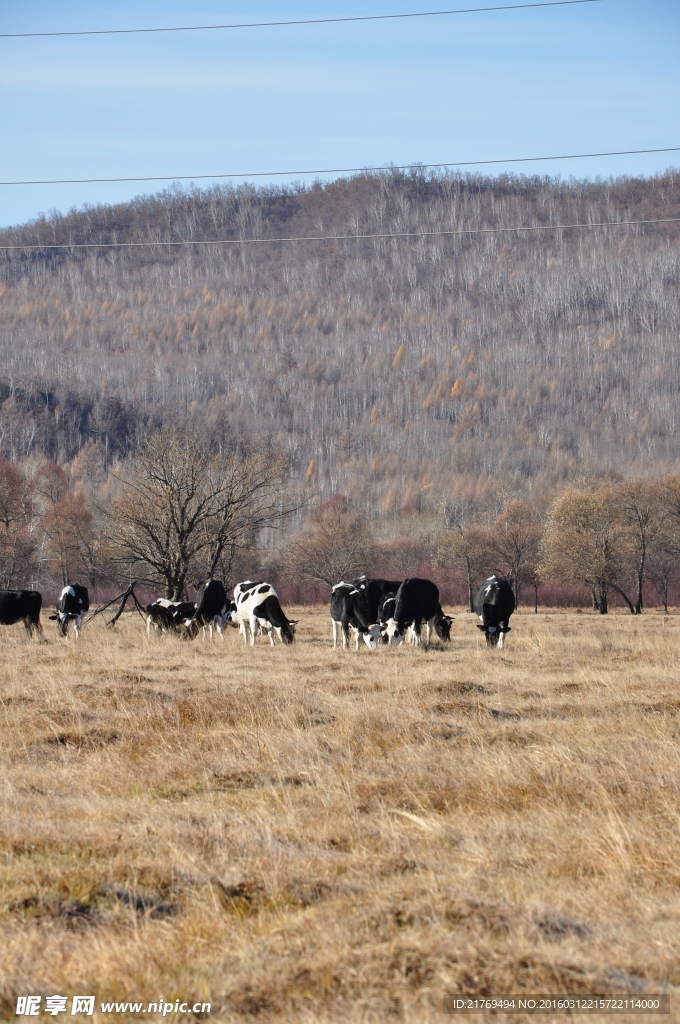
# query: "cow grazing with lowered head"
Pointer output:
{"type": "Point", "coordinates": [72, 604]}
{"type": "Point", "coordinates": [373, 591]}
{"type": "Point", "coordinates": [257, 606]}
{"type": "Point", "coordinates": [386, 610]}
{"type": "Point", "coordinates": [494, 605]}
{"type": "Point", "coordinates": [350, 607]}
{"type": "Point", "coordinates": [417, 601]}
{"type": "Point", "coordinates": [21, 606]}
{"type": "Point", "coordinates": [213, 608]}
{"type": "Point", "coordinates": [169, 616]}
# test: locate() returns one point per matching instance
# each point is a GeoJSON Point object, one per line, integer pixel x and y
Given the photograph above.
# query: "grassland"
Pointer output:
{"type": "Point", "coordinates": [304, 834]}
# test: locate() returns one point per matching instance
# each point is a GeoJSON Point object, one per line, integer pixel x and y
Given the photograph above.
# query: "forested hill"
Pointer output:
{"type": "Point", "coordinates": [389, 368]}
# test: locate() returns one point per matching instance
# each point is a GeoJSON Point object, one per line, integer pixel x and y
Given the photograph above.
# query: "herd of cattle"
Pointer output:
{"type": "Point", "coordinates": [377, 610]}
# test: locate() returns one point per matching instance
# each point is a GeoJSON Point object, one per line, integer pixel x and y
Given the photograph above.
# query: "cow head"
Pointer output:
{"type": "Point", "coordinates": [287, 633]}
{"type": "Point", "coordinates": [495, 635]}
{"type": "Point", "coordinates": [61, 618]}
{"type": "Point", "coordinates": [372, 637]}
{"type": "Point", "coordinates": [393, 633]}
{"type": "Point", "coordinates": [443, 627]}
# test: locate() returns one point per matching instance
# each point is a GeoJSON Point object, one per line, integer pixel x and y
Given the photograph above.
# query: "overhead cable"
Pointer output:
{"type": "Point", "coordinates": [341, 170]}
{"type": "Point", "coordinates": [344, 238]}
{"type": "Point", "coordinates": [297, 21]}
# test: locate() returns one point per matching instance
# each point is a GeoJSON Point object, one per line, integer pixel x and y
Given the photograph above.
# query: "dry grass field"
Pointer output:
{"type": "Point", "coordinates": [302, 834]}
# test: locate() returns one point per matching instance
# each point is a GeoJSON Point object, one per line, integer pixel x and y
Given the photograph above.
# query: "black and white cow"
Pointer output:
{"type": "Point", "coordinates": [494, 604]}
{"type": "Point", "coordinates": [213, 608]}
{"type": "Point", "coordinates": [417, 601]}
{"type": "Point", "coordinates": [21, 606]}
{"type": "Point", "coordinates": [72, 604]}
{"type": "Point", "coordinates": [169, 616]}
{"type": "Point", "coordinates": [386, 610]}
{"type": "Point", "coordinates": [257, 606]}
{"type": "Point", "coordinates": [350, 607]}
{"type": "Point", "coordinates": [374, 590]}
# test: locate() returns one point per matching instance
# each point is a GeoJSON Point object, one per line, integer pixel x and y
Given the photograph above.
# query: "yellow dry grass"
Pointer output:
{"type": "Point", "coordinates": [304, 834]}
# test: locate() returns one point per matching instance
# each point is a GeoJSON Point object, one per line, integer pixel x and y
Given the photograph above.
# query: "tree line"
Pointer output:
{"type": "Point", "coordinates": [187, 507]}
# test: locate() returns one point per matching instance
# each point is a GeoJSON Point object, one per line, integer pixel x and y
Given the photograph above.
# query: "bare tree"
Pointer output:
{"type": "Point", "coordinates": [465, 548]}
{"type": "Point", "coordinates": [184, 508]}
{"type": "Point", "coordinates": [333, 545]}
{"type": "Point", "coordinates": [645, 512]}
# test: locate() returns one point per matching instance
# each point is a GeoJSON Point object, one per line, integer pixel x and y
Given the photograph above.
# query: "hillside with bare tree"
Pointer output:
{"type": "Point", "coordinates": [389, 369]}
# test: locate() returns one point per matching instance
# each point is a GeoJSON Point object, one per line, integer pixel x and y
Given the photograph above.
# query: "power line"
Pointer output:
{"type": "Point", "coordinates": [299, 21]}
{"type": "Point", "coordinates": [345, 238]}
{"type": "Point", "coordinates": [340, 170]}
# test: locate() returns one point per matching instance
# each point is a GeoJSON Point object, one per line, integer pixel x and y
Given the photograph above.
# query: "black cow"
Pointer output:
{"type": "Point", "coordinates": [350, 607]}
{"type": "Point", "coordinates": [374, 590]}
{"type": "Point", "coordinates": [257, 607]}
{"type": "Point", "coordinates": [21, 606]}
{"type": "Point", "coordinates": [494, 604]}
{"type": "Point", "coordinates": [169, 616]}
{"type": "Point", "coordinates": [213, 607]}
{"type": "Point", "coordinates": [72, 603]}
{"type": "Point", "coordinates": [417, 602]}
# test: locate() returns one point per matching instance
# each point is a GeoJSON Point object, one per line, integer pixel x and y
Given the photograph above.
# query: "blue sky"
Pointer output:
{"type": "Point", "coordinates": [589, 77]}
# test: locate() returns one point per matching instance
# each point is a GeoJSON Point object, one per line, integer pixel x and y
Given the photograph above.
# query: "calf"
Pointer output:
{"type": "Point", "coordinates": [494, 605]}
{"type": "Point", "coordinates": [169, 616]}
{"type": "Point", "coordinates": [213, 608]}
{"type": "Point", "coordinates": [350, 607]}
{"type": "Point", "coordinates": [257, 605]}
{"type": "Point", "coordinates": [417, 601]}
{"type": "Point", "coordinates": [21, 606]}
{"type": "Point", "coordinates": [72, 604]}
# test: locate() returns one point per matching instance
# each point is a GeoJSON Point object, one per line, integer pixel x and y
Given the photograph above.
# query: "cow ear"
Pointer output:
{"type": "Point", "coordinates": [480, 626]}
{"type": "Point", "coordinates": [53, 617]}
{"type": "Point", "coordinates": [293, 622]}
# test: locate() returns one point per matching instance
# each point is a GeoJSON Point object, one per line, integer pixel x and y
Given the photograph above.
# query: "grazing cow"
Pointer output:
{"type": "Point", "coordinates": [350, 607]}
{"type": "Point", "coordinates": [169, 616]}
{"type": "Point", "coordinates": [417, 602]}
{"type": "Point", "coordinates": [213, 608]}
{"type": "Point", "coordinates": [21, 606]}
{"type": "Point", "coordinates": [386, 609]}
{"type": "Point", "coordinates": [72, 603]}
{"type": "Point", "coordinates": [494, 604]}
{"type": "Point", "coordinates": [257, 605]}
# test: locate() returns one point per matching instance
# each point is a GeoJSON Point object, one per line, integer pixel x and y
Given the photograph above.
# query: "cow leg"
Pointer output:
{"type": "Point", "coordinates": [77, 625]}
{"type": "Point", "coordinates": [27, 624]}
{"type": "Point", "coordinates": [335, 633]}
{"type": "Point", "coordinates": [358, 638]}
{"type": "Point", "coordinates": [429, 626]}
{"type": "Point", "coordinates": [219, 624]}
{"type": "Point", "coordinates": [501, 636]}
{"type": "Point", "coordinates": [345, 636]}
{"type": "Point", "coordinates": [253, 627]}
{"type": "Point", "coordinates": [278, 633]}
{"type": "Point", "coordinates": [148, 626]}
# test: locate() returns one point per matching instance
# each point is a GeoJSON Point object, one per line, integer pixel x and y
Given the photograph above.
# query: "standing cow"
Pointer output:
{"type": "Point", "coordinates": [257, 606]}
{"type": "Point", "coordinates": [350, 607]}
{"type": "Point", "coordinates": [494, 605]}
{"type": "Point", "coordinates": [21, 606]}
{"type": "Point", "coordinates": [213, 608]}
{"type": "Point", "coordinates": [417, 601]}
{"type": "Point", "coordinates": [72, 604]}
